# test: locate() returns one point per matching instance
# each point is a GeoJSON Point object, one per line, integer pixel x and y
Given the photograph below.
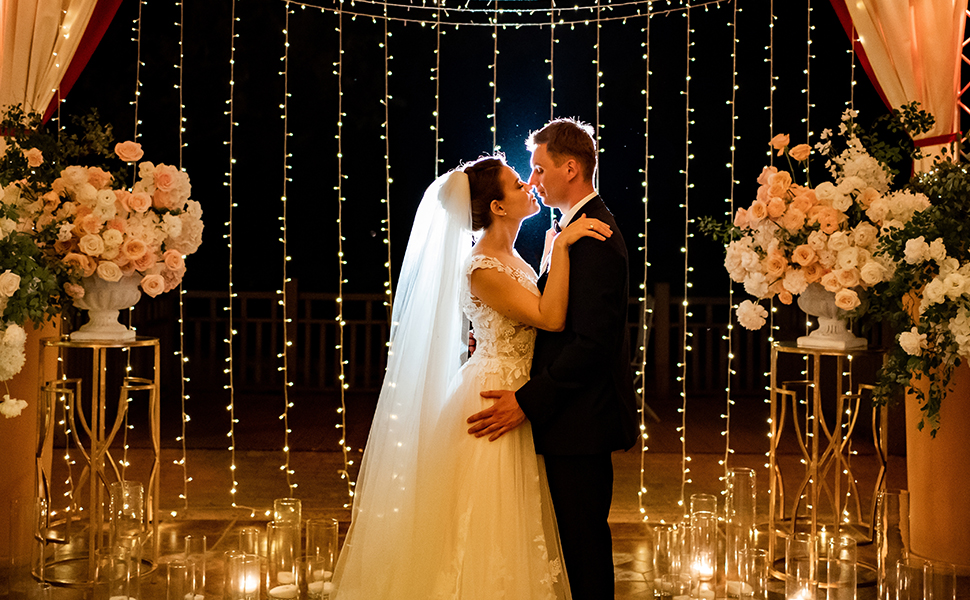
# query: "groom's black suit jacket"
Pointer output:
{"type": "Point", "coordinates": [580, 397]}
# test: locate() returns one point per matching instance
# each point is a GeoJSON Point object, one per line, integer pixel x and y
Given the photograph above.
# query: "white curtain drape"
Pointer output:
{"type": "Point", "coordinates": [39, 38]}
{"type": "Point", "coordinates": [915, 49]}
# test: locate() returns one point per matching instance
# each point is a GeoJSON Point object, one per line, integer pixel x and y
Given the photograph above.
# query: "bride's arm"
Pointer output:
{"type": "Point", "coordinates": [505, 295]}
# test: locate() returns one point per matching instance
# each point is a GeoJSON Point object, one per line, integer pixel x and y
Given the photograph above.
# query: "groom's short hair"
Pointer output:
{"type": "Point", "coordinates": [567, 138]}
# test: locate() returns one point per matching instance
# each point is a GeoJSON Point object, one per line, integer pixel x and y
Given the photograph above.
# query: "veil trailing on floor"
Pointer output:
{"type": "Point", "coordinates": [428, 340]}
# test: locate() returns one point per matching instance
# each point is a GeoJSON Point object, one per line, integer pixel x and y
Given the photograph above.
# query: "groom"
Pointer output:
{"type": "Point", "coordinates": [580, 399]}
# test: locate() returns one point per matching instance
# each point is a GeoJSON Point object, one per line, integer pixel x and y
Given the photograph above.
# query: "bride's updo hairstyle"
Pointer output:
{"type": "Point", "coordinates": [484, 180]}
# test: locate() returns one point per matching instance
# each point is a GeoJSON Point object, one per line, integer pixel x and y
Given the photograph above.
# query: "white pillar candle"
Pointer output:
{"type": "Point", "coordinates": [284, 592]}
{"type": "Point", "coordinates": [285, 577]}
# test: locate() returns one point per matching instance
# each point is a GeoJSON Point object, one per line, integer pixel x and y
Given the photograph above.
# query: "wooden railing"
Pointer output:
{"type": "Point", "coordinates": [313, 362]}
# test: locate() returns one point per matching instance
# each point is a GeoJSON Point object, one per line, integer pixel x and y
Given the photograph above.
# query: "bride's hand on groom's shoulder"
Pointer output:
{"type": "Point", "coordinates": [584, 227]}
{"type": "Point", "coordinates": [498, 419]}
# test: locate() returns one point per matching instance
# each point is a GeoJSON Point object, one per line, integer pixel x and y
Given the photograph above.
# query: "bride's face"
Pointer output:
{"type": "Point", "coordinates": [519, 202]}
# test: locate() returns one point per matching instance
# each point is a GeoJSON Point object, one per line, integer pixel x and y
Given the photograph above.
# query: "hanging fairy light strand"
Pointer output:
{"type": "Point", "coordinates": [599, 86]}
{"type": "Point", "coordinates": [645, 308]}
{"type": "Point", "coordinates": [184, 397]}
{"type": "Point", "coordinates": [284, 303]}
{"type": "Point", "coordinates": [339, 188]}
{"type": "Point", "coordinates": [729, 338]}
{"type": "Point", "coordinates": [686, 335]}
{"type": "Point", "coordinates": [552, 54]}
{"type": "Point", "coordinates": [494, 82]}
{"type": "Point", "coordinates": [437, 94]}
{"type": "Point", "coordinates": [386, 200]}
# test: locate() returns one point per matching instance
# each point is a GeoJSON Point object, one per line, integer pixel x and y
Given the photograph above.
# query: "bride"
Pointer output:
{"type": "Point", "coordinates": [437, 512]}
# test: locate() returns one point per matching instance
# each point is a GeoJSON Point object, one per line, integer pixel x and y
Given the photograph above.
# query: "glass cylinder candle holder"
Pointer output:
{"type": "Point", "coordinates": [126, 509]}
{"type": "Point", "coordinates": [839, 559]}
{"type": "Point", "coordinates": [288, 510]}
{"type": "Point", "coordinates": [249, 540]}
{"type": "Point", "coordinates": [195, 555]}
{"type": "Point", "coordinates": [243, 577]}
{"type": "Point", "coordinates": [176, 580]}
{"type": "Point", "coordinates": [132, 544]}
{"type": "Point", "coordinates": [318, 575]}
{"type": "Point", "coordinates": [666, 552]}
{"type": "Point", "coordinates": [703, 552]}
{"type": "Point", "coordinates": [283, 550]}
{"type": "Point", "coordinates": [739, 524]}
{"type": "Point", "coordinates": [892, 538]}
{"type": "Point", "coordinates": [322, 537]}
{"type": "Point", "coordinates": [675, 587]}
{"type": "Point", "coordinates": [909, 580]}
{"type": "Point", "coordinates": [111, 576]}
{"type": "Point", "coordinates": [754, 574]}
{"type": "Point", "coordinates": [800, 562]}
{"type": "Point", "coordinates": [939, 580]}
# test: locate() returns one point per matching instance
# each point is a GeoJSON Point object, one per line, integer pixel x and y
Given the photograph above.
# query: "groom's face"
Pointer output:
{"type": "Point", "coordinates": [548, 179]}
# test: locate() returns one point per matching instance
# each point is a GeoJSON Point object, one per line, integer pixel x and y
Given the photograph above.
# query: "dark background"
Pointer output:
{"type": "Point", "coordinates": [109, 83]}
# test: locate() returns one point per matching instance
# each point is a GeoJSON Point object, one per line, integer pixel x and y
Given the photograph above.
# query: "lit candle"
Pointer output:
{"type": "Point", "coordinates": [738, 588]}
{"type": "Point", "coordinates": [285, 577]}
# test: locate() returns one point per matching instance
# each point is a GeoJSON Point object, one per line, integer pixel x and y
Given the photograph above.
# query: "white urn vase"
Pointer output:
{"type": "Point", "coordinates": [832, 332]}
{"type": "Point", "coordinates": [104, 300]}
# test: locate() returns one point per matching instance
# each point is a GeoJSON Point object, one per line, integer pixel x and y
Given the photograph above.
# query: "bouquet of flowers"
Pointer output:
{"type": "Point", "coordinates": [62, 221]}
{"type": "Point", "coordinates": [793, 235]}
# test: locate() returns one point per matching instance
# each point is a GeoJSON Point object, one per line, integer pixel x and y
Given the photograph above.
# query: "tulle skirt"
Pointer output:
{"type": "Point", "coordinates": [483, 525]}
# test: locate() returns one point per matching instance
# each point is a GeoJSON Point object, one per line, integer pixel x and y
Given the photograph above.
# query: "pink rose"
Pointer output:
{"type": "Point", "coordinates": [163, 200]}
{"type": "Point", "coordinates": [129, 151]}
{"type": "Point", "coordinates": [153, 285]}
{"type": "Point", "coordinates": [166, 178]}
{"type": "Point", "coordinates": [35, 158]}
{"type": "Point", "coordinates": [98, 177]}
{"type": "Point", "coordinates": [121, 200]}
{"type": "Point", "coordinates": [74, 290]}
{"type": "Point", "coordinates": [847, 299]}
{"type": "Point", "coordinates": [140, 202]}
{"type": "Point", "coordinates": [804, 255]}
{"type": "Point", "coordinates": [800, 152]}
{"type": "Point", "coordinates": [779, 142]}
{"type": "Point", "coordinates": [118, 224]}
{"type": "Point", "coordinates": [173, 260]}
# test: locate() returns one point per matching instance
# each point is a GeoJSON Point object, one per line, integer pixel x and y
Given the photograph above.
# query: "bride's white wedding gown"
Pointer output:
{"type": "Point", "coordinates": [483, 527]}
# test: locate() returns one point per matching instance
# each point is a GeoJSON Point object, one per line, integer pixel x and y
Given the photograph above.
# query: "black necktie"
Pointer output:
{"type": "Point", "coordinates": [555, 225]}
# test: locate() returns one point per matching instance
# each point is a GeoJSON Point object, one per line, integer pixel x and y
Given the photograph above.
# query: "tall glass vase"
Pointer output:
{"type": "Point", "coordinates": [892, 538]}
{"type": "Point", "coordinates": [739, 526]}
{"type": "Point", "coordinates": [703, 522]}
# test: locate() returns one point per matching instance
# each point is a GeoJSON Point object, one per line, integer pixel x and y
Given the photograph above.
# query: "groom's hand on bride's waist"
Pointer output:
{"type": "Point", "coordinates": [500, 418]}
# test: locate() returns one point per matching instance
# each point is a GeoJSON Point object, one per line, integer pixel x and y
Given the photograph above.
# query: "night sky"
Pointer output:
{"type": "Point", "coordinates": [465, 101]}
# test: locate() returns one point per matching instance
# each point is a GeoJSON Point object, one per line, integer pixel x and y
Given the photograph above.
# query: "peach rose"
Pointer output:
{"type": "Point", "coordinates": [758, 211]}
{"type": "Point", "coordinates": [173, 260]}
{"type": "Point", "coordinates": [80, 261]}
{"type": "Point", "coordinates": [98, 177]}
{"type": "Point", "coordinates": [779, 183]}
{"type": "Point", "coordinates": [74, 290]}
{"type": "Point", "coordinates": [779, 142]}
{"type": "Point", "coordinates": [129, 151]}
{"type": "Point", "coordinates": [776, 207]}
{"type": "Point", "coordinates": [775, 265]}
{"type": "Point", "coordinates": [109, 271]}
{"type": "Point", "coordinates": [867, 197]}
{"type": "Point", "coordinates": [830, 282]}
{"type": "Point", "coordinates": [145, 262]}
{"type": "Point", "coordinates": [741, 219]}
{"type": "Point", "coordinates": [91, 244]}
{"type": "Point", "coordinates": [153, 285]}
{"type": "Point", "coordinates": [134, 248]}
{"type": "Point", "coordinates": [128, 269]}
{"type": "Point", "coordinates": [828, 220]}
{"type": "Point", "coordinates": [35, 158]}
{"type": "Point", "coordinates": [847, 299]}
{"type": "Point", "coordinates": [785, 297]}
{"type": "Point", "coordinates": [800, 152]}
{"type": "Point", "coordinates": [166, 178]}
{"type": "Point", "coordinates": [793, 220]}
{"type": "Point", "coordinates": [847, 277]}
{"type": "Point", "coordinates": [802, 202]}
{"type": "Point", "coordinates": [117, 224]}
{"type": "Point", "coordinates": [804, 255]}
{"type": "Point", "coordinates": [766, 172]}
{"type": "Point", "coordinates": [163, 200]}
{"type": "Point", "coordinates": [121, 199]}
{"type": "Point", "coordinates": [140, 201]}
{"type": "Point", "coordinates": [813, 272]}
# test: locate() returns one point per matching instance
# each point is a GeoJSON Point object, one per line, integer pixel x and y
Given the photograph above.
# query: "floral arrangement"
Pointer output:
{"type": "Point", "coordinates": [66, 215]}
{"type": "Point", "coordinates": [793, 235]}
{"type": "Point", "coordinates": [927, 302]}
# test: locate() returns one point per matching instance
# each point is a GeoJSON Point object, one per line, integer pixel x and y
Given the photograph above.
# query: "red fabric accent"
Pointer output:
{"type": "Point", "coordinates": [946, 138]}
{"type": "Point", "coordinates": [104, 12]}
{"type": "Point", "coordinates": [846, 19]}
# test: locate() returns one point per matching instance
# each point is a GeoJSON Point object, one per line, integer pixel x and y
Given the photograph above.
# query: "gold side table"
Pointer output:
{"type": "Point", "coordinates": [92, 431]}
{"type": "Point", "coordinates": [822, 423]}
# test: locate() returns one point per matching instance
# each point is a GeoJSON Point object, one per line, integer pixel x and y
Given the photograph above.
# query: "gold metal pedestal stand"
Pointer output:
{"type": "Point", "coordinates": [87, 411]}
{"type": "Point", "coordinates": [822, 422]}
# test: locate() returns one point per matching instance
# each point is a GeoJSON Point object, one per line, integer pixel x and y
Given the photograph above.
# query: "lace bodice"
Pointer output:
{"type": "Point", "coordinates": [503, 346]}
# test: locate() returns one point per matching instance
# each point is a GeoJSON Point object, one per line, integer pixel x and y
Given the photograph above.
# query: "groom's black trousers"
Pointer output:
{"type": "Point", "coordinates": [582, 489]}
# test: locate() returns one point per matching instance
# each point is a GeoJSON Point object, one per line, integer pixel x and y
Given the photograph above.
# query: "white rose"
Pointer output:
{"type": "Point", "coordinates": [912, 341]}
{"type": "Point", "coordinates": [865, 234]}
{"type": "Point", "coordinates": [65, 231]}
{"type": "Point", "coordinates": [934, 291]}
{"type": "Point", "coordinates": [109, 271]}
{"type": "Point", "coordinates": [825, 192]}
{"type": "Point", "coordinates": [878, 210]}
{"type": "Point", "coordinates": [751, 316]}
{"type": "Point", "coordinates": [916, 250]}
{"type": "Point", "coordinates": [9, 283]}
{"type": "Point", "coordinates": [818, 240]}
{"type": "Point", "coordinates": [87, 195]}
{"type": "Point", "coordinates": [842, 202]}
{"type": "Point", "coordinates": [955, 285]}
{"type": "Point", "coordinates": [871, 272]}
{"type": "Point", "coordinates": [106, 198]}
{"type": "Point", "coordinates": [112, 237]}
{"type": "Point", "coordinates": [827, 258]}
{"type": "Point", "coordinates": [937, 250]}
{"type": "Point", "coordinates": [848, 258]}
{"type": "Point", "coordinates": [838, 241]}
{"type": "Point", "coordinates": [91, 244]}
